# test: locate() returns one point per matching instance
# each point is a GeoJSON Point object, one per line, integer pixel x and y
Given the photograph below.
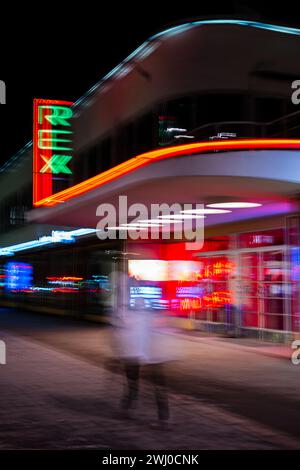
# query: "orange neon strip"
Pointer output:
{"type": "Point", "coordinates": [159, 154]}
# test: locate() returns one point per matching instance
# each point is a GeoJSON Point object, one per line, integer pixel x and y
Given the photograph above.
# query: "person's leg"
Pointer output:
{"type": "Point", "coordinates": [132, 376]}
{"type": "Point", "coordinates": [159, 381]}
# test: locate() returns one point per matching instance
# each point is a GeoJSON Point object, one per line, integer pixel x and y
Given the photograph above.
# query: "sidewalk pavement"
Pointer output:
{"type": "Point", "coordinates": [252, 345]}
{"type": "Point", "coordinates": [53, 400]}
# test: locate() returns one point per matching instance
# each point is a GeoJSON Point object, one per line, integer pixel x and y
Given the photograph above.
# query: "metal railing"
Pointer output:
{"type": "Point", "coordinates": [287, 126]}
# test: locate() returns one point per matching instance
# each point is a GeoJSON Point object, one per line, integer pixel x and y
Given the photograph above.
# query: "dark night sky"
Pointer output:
{"type": "Point", "coordinates": [51, 55]}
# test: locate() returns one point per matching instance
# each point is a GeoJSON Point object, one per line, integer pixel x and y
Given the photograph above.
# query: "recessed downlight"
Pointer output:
{"type": "Point", "coordinates": [205, 211]}
{"type": "Point", "coordinates": [234, 205]}
{"type": "Point", "coordinates": [150, 221]}
{"type": "Point", "coordinates": [134, 227]}
{"type": "Point", "coordinates": [124, 228]}
{"type": "Point", "coordinates": [142, 224]}
{"type": "Point", "coordinates": [164, 221]}
{"type": "Point", "coordinates": [181, 216]}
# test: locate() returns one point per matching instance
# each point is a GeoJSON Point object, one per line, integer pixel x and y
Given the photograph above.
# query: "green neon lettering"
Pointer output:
{"type": "Point", "coordinates": [50, 140]}
{"type": "Point", "coordinates": [56, 164]}
{"type": "Point", "coordinates": [59, 116]}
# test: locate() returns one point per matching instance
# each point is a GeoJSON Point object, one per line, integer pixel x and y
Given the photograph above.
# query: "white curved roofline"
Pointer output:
{"type": "Point", "coordinates": [149, 45]}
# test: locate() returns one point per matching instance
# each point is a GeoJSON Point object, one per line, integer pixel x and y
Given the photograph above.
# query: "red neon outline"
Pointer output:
{"type": "Point", "coordinates": [42, 183]}
{"type": "Point", "coordinates": [159, 154]}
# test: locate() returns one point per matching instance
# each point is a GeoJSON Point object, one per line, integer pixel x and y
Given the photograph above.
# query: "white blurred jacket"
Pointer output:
{"type": "Point", "coordinates": [137, 333]}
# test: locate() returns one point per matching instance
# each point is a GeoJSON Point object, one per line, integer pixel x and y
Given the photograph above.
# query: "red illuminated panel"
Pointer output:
{"type": "Point", "coordinates": [217, 299]}
{"type": "Point", "coordinates": [52, 150]}
{"type": "Point", "coordinates": [64, 279]}
{"type": "Point", "coordinates": [218, 268]}
{"type": "Point", "coordinates": [190, 304]}
{"type": "Point", "coordinates": [159, 154]}
{"type": "Point", "coordinates": [262, 238]}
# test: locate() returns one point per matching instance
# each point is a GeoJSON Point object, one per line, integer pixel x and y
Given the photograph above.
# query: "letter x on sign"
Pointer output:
{"type": "Point", "coordinates": [56, 164]}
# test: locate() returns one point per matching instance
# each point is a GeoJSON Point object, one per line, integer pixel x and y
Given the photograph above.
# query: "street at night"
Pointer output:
{"type": "Point", "coordinates": [63, 388]}
{"type": "Point", "coordinates": [150, 234]}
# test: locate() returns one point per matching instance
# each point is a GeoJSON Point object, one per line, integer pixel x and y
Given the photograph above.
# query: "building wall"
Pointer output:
{"type": "Point", "coordinates": [203, 59]}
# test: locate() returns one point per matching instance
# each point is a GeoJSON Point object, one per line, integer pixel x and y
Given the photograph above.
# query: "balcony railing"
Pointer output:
{"type": "Point", "coordinates": [287, 126]}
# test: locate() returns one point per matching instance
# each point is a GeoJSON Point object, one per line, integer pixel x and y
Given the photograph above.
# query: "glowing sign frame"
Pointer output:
{"type": "Point", "coordinates": [52, 144]}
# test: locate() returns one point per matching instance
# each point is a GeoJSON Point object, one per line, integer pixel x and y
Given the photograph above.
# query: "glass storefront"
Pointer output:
{"type": "Point", "coordinates": [247, 281]}
{"type": "Point", "coordinates": [257, 278]}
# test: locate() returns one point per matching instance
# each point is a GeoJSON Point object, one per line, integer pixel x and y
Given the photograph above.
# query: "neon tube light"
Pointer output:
{"type": "Point", "coordinates": [164, 153]}
{"type": "Point", "coordinates": [55, 237]}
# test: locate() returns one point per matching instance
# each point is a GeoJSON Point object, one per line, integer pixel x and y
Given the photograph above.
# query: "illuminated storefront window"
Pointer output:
{"type": "Point", "coordinates": [253, 278]}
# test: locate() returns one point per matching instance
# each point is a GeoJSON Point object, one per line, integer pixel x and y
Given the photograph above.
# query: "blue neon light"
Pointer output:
{"type": "Point", "coordinates": [18, 276]}
{"type": "Point", "coordinates": [55, 237]}
{"type": "Point", "coordinates": [295, 263]}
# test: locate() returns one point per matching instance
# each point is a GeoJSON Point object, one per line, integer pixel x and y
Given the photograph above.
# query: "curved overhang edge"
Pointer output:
{"type": "Point", "coordinates": [165, 153]}
{"type": "Point", "coordinates": [148, 46]}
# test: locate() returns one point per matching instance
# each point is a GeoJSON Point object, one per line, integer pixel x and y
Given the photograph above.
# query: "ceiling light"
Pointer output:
{"type": "Point", "coordinates": [125, 228]}
{"type": "Point", "coordinates": [205, 211]}
{"type": "Point", "coordinates": [181, 216]}
{"type": "Point", "coordinates": [151, 221]}
{"type": "Point", "coordinates": [165, 221]}
{"type": "Point", "coordinates": [139, 224]}
{"type": "Point", "coordinates": [234, 205]}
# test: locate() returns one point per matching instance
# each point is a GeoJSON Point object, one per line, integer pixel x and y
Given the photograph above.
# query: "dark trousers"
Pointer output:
{"type": "Point", "coordinates": [132, 371]}
{"type": "Point", "coordinates": [157, 376]}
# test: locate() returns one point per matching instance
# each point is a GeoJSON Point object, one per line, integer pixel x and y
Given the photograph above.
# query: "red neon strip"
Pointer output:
{"type": "Point", "coordinates": [159, 154]}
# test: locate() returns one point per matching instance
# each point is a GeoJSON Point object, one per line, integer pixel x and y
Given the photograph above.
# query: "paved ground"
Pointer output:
{"type": "Point", "coordinates": [60, 390]}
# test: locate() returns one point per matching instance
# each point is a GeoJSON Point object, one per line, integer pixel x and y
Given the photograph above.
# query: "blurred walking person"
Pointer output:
{"type": "Point", "coordinates": [139, 345]}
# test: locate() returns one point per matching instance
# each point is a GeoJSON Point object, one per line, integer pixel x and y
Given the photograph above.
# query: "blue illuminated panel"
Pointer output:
{"type": "Point", "coordinates": [18, 276]}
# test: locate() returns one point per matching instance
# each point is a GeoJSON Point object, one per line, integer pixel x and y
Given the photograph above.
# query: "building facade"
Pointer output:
{"type": "Point", "coordinates": [198, 114]}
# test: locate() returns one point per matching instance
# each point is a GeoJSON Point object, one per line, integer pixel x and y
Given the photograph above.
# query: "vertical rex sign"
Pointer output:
{"type": "Point", "coordinates": [52, 146]}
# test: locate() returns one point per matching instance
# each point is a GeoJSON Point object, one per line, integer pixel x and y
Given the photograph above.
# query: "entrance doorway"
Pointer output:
{"type": "Point", "coordinates": [265, 289]}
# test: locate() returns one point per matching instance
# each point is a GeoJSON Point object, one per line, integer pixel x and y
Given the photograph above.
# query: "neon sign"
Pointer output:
{"type": "Point", "coordinates": [191, 304]}
{"type": "Point", "coordinates": [218, 269]}
{"type": "Point", "coordinates": [216, 299]}
{"type": "Point", "coordinates": [63, 279]}
{"type": "Point", "coordinates": [52, 145]}
{"type": "Point", "coordinates": [18, 276]}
